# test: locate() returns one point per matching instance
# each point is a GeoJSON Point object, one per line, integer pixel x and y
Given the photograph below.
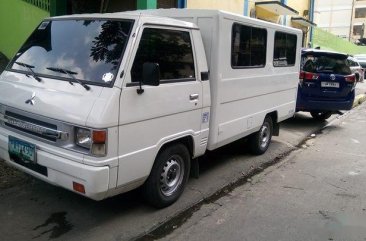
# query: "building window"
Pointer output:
{"type": "Point", "coordinates": [358, 30]}
{"type": "Point", "coordinates": [360, 13]}
{"type": "Point", "coordinates": [248, 46]}
{"type": "Point", "coordinates": [171, 49]}
{"type": "Point", "coordinates": [284, 49]}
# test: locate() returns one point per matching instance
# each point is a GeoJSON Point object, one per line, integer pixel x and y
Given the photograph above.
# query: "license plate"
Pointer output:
{"type": "Point", "coordinates": [21, 150]}
{"type": "Point", "coordinates": [330, 84]}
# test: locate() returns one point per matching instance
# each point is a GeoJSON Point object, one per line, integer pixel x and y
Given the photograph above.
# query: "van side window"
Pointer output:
{"type": "Point", "coordinates": [248, 46]}
{"type": "Point", "coordinates": [284, 49]}
{"type": "Point", "coordinates": [171, 49]}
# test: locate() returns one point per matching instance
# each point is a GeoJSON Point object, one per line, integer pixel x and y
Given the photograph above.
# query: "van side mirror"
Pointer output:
{"type": "Point", "coordinates": [151, 74]}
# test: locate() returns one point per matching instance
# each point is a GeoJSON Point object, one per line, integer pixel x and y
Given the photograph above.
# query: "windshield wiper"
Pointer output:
{"type": "Point", "coordinates": [30, 68]}
{"type": "Point", "coordinates": [70, 74]}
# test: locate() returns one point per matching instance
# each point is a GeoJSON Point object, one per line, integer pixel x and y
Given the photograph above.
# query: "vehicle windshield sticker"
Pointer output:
{"type": "Point", "coordinates": [108, 77]}
{"type": "Point", "coordinates": [43, 25]}
{"type": "Point", "coordinates": [205, 117]}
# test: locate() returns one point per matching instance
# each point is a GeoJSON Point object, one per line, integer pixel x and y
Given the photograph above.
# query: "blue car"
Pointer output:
{"type": "Point", "coordinates": [326, 84]}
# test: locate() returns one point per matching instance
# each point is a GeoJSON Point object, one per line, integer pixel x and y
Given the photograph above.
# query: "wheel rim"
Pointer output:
{"type": "Point", "coordinates": [172, 175]}
{"type": "Point", "coordinates": [264, 135]}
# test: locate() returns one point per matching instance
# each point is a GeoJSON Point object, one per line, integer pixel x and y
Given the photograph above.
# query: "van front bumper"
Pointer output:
{"type": "Point", "coordinates": [62, 172]}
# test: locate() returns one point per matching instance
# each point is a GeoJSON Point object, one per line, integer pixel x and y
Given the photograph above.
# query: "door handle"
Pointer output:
{"type": "Point", "coordinates": [193, 97]}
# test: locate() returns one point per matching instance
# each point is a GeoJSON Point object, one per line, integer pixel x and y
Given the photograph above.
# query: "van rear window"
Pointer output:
{"type": "Point", "coordinates": [248, 46]}
{"type": "Point", "coordinates": [284, 49]}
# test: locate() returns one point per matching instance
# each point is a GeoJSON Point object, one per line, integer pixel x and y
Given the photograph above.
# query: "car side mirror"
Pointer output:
{"type": "Point", "coordinates": [151, 74]}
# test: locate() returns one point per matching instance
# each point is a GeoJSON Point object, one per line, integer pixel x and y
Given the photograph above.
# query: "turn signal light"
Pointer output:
{"type": "Point", "coordinates": [99, 137]}
{"type": "Point", "coordinates": [78, 187]}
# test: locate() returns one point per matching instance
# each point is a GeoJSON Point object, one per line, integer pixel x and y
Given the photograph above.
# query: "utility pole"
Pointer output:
{"type": "Point", "coordinates": [351, 22]}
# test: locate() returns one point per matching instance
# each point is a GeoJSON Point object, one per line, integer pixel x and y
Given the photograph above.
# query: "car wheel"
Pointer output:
{"type": "Point", "coordinates": [321, 115]}
{"type": "Point", "coordinates": [168, 176]}
{"type": "Point", "coordinates": [259, 141]}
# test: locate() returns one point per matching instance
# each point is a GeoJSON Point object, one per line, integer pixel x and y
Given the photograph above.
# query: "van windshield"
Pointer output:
{"type": "Point", "coordinates": [332, 64]}
{"type": "Point", "coordinates": [89, 49]}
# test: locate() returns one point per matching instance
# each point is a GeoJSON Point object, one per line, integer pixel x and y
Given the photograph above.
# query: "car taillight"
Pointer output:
{"type": "Point", "coordinates": [350, 78]}
{"type": "Point", "coordinates": [308, 76]}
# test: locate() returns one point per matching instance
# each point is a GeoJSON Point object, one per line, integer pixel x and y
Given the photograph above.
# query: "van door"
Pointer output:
{"type": "Point", "coordinates": [161, 113]}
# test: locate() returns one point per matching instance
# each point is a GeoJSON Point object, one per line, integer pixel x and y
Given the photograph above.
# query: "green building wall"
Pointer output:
{"type": "Point", "coordinates": [17, 21]}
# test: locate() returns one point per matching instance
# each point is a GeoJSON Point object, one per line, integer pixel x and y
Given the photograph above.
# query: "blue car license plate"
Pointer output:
{"type": "Point", "coordinates": [21, 150]}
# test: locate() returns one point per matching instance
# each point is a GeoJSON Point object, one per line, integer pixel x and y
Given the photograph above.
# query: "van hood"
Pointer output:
{"type": "Point", "coordinates": [52, 98]}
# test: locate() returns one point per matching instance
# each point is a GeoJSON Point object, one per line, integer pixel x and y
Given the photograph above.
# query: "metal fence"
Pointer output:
{"type": "Point", "coordinates": [42, 4]}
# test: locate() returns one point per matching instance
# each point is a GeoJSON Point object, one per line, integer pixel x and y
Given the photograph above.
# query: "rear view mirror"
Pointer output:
{"type": "Point", "coordinates": [151, 74]}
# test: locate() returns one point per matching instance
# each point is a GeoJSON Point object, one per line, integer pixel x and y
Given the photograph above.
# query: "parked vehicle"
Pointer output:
{"type": "Point", "coordinates": [326, 83]}
{"type": "Point", "coordinates": [361, 59]}
{"type": "Point", "coordinates": [104, 103]}
{"type": "Point", "coordinates": [356, 69]}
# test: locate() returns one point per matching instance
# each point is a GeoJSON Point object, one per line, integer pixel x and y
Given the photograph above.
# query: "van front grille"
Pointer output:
{"type": "Point", "coordinates": [30, 126]}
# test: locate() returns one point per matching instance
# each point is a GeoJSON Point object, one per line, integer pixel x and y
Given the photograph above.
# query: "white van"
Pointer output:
{"type": "Point", "coordinates": [104, 103]}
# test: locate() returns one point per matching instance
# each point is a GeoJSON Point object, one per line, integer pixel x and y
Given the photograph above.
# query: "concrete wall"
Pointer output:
{"type": "Point", "coordinates": [299, 6]}
{"type": "Point", "coordinates": [235, 6]}
{"type": "Point", "coordinates": [17, 21]}
{"type": "Point", "coordinates": [334, 16]}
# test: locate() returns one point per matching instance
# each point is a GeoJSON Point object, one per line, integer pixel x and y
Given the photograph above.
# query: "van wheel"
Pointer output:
{"type": "Point", "coordinates": [321, 115]}
{"type": "Point", "coordinates": [168, 176]}
{"type": "Point", "coordinates": [259, 141]}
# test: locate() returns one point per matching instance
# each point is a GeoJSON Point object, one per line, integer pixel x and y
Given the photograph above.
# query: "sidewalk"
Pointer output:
{"type": "Point", "coordinates": [318, 193]}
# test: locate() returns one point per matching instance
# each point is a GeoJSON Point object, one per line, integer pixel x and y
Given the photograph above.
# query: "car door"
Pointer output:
{"type": "Point", "coordinates": [161, 113]}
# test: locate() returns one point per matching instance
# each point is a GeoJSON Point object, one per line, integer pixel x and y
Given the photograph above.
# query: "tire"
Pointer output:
{"type": "Point", "coordinates": [321, 115]}
{"type": "Point", "coordinates": [259, 141]}
{"type": "Point", "coordinates": [168, 176]}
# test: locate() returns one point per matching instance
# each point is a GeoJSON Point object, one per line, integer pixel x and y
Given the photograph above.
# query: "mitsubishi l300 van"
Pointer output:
{"type": "Point", "coordinates": [101, 104]}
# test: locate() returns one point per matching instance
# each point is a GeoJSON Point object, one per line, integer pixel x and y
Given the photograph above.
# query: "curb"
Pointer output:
{"type": "Point", "coordinates": [359, 99]}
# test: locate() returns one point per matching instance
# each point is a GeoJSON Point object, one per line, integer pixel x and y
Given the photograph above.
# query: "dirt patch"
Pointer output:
{"type": "Point", "coordinates": [10, 177]}
{"type": "Point", "coordinates": [3, 62]}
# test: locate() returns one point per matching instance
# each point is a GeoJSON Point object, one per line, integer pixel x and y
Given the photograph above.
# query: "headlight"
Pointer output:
{"type": "Point", "coordinates": [93, 140]}
{"type": "Point", "coordinates": [83, 138]}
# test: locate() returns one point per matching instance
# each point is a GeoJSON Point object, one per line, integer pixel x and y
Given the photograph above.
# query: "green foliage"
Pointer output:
{"type": "Point", "coordinates": [329, 41]}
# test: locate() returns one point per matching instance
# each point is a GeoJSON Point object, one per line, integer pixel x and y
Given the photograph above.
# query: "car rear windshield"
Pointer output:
{"type": "Point", "coordinates": [363, 64]}
{"type": "Point", "coordinates": [332, 64]}
{"type": "Point", "coordinates": [87, 50]}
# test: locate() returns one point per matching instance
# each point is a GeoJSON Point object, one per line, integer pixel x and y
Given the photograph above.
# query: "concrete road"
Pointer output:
{"type": "Point", "coordinates": [317, 193]}
{"type": "Point", "coordinates": [38, 211]}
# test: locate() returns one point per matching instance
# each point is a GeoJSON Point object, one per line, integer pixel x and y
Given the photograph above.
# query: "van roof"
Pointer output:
{"type": "Point", "coordinates": [129, 15]}
{"type": "Point", "coordinates": [163, 16]}
{"type": "Point", "coordinates": [174, 12]}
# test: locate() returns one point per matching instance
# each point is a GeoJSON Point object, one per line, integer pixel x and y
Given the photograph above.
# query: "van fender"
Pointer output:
{"type": "Point", "coordinates": [187, 137]}
{"type": "Point", "coordinates": [275, 123]}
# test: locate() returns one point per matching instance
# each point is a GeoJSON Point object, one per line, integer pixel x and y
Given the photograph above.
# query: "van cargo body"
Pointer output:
{"type": "Point", "coordinates": [130, 99]}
